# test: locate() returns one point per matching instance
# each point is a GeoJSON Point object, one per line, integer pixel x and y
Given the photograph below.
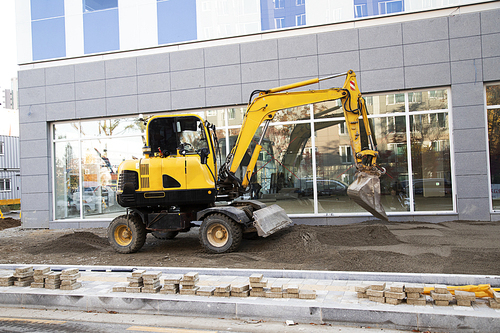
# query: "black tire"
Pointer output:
{"type": "Point", "coordinates": [126, 236]}
{"type": "Point", "coordinates": [164, 235]}
{"type": "Point", "coordinates": [220, 234]}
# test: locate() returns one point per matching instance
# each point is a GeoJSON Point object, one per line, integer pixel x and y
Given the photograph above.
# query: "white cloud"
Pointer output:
{"type": "Point", "coordinates": [8, 57]}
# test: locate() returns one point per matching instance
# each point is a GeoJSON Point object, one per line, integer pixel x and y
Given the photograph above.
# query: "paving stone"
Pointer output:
{"type": "Point", "coordinates": [189, 282]}
{"type": "Point", "coordinates": [271, 294]}
{"type": "Point", "coordinates": [290, 295]}
{"type": "Point", "coordinates": [375, 293]}
{"type": "Point", "coordinates": [37, 285]}
{"type": "Point", "coordinates": [413, 295]}
{"type": "Point", "coordinates": [133, 289]}
{"type": "Point", "coordinates": [277, 288]}
{"type": "Point", "coordinates": [68, 282]}
{"type": "Point", "coordinates": [243, 293]}
{"type": "Point", "coordinates": [422, 300]}
{"type": "Point", "coordinates": [395, 295]}
{"type": "Point", "coordinates": [397, 287]}
{"type": "Point", "coordinates": [24, 269]}
{"type": "Point", "coordinates": [71, 286]}
{"type": "Point", "coordinates": [261, 284]}
{"type": "Point", "coordinates": [41, 270]}
{"type": "Point", "coordinates": [257, 289]}
{"type": "Point", "coordinates": [465, 295]}
{"type": "Point", "coordinates": [440, 289]}
{"type": "Point", "coordinates": [258, 293]}
{"type": "Point", "coordinates": [362, 295]}
{"type": "Point", "coordinates": [133, 279]}
{"type": "Point", "coordinates": [53, 276]}
{"type": "Point", "coordinates": [138, 272]}
{"type": "Point", "coordinates": [70, 276]}
{"type": "Point", "coordinates": [414, 288]}
{"type": "Point", "coordinates": [496, 294]}
{"type": "Point", "coordinates": [151, 290]}
{"type": "Point", "coordinates": [70, 271]}
{"type": "Point", "coordinates": [24, 275]}
{"type": "Point", "coordinates": [189, 291]}
{"type": "Point", "coordinates": [307, 294]}
{"type": "Point", "coordinates": [171, 286]}
{"type": "Point", "coordinates": [39, 278]}
{"type": "Point", "coordinates": [222, 293]}
{"type": "Point", "coordinates": [441, 302]}
{"type": "Point", "coordinates": [152, 275]}
{"type": "Point", "coordinates": [361, 288]}
{"type": "Point", "coordinates": [256, 277]}
{"type": "Point", "coordinates": [191, 276]}
{"type": "Point", "coordinates": [240, 288]}
{"type": "Point", "coordinates": [378, 286]}
{"type": "Point", "coordinates": [441, 297]}
{"type": "Point", "coordinates": [136, 284]}
{"type": "Point", "coordinates": [393, 301]}
{"type": "Point", "coordinates": [120, 287]}
{"type": "Point", "coordinates": [462, 302]}
{"type": "Point", "coordinates": [223, 287]}
{"type": "Point", "coordinates": [52, 285]}
{"type": "Point", "coordinates": [205, 291]}
{"type": "Point", "coordinates": [25, 283]}
{"type": "Point", "coordinates": [292, 289]}
{"type": "Point", "coordinates": [494, 303]}
{"type": "Point", "coordinates": [172, 279]}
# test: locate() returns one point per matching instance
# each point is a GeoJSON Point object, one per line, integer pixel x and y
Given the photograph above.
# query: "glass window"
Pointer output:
{"type": "Point", "coordinates": [48, 38]}
{"type": "Point", "coordinates": [1, 148]}
{"type": "Point", "coordinates": [67, 179]}
{"type": "Point", "coordinates": [428, 100]}
{"type": "Point", "coordinates": [43, 9]}
{"type": "Point", "coordinates": [235, 116]}
{"type": "Point", "coordinates": [300, 19]}
{"type": "Point", "coordinates": [493, 101]}
{"type": "Point", "coordinates": [176, 21]}
{"type": "Point", "coordinates": [110, 127]}
{"type": "Point", "coordinates": [93, 5]}
{"type": "Point", "coordinates": [279, 4]}
{"type": "Point", "coordinates": [5, 184]}
{"type": "Point", "coordinates": [328, 109]}
{"type": "Point", "coordinates": [66, 131]}
{"type": "Point", "coordinates": [383, 104]}
{"type": "Point", "coordinates": [101, 31]}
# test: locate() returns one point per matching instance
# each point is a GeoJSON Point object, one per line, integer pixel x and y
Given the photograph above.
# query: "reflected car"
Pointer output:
{"type": "Point", "coordinates": [326, 188]}
{"type": "Point", "coordinates": [429, 187]}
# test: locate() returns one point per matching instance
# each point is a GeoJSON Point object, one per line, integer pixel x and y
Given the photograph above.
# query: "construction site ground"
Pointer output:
{"type": "Point", "coordinates": [405, 247]}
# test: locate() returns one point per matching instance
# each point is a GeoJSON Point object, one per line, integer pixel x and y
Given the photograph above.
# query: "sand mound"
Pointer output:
{"type": "Point", "coordinates": [9, 222]}
{"type": "Point", "coordinates": [77, 242]}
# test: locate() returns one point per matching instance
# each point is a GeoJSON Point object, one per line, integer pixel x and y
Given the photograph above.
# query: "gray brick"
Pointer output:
{"type": "Point", "coordinates": [491, 69]}
{"type": "Point", "coordinates": [259, 71]}
{"type": "Point", "coordinates": [154, 102]}
{"type": "Point", "coordinates": [36, 201]}
{"type": "Point", "coordinates": [427, 75]}
{"type": "Point", "coordinates": [381, 58]}
{"type": "Point", "coordinates": [153, 83]}
{"type": "Point", "coordinates": [187, 79]}
{"type": "Point", "coordinates": [426, 53]}
{"type": "Point", "coordinates": [222, 55]}
{"type": "Point", "coordinates": [298, 67]}
{"type": "Point", "coordinates": [185, 99]}
{"type": "Point", "coordinates": [334, 63]}
{"type": "Point", "coordinates": [89, 71]}
{"type": "Point", "coordinates": [338, 41]}
{"type": "Point", "coordinates": [60, 75]}
{"type": "Point", "coordinates": [35, 219]}
{"type": "Point", "coordinates": [31, 78]}
{"type": "Point", "coordinates": [491, 45]}
{"type": "Point", "coordinates": [463, 142]}
{"type": "Point", "coordinates": [299, 46]}
{"type": "Point", "coordinates": [466, 117]}
{"type": "Point", "coordinates": [33, 131]}
{"type": "Point", "coordinates": [465, 48]}
{"type": "Point", "coordinates": [467, 94]}
{"type": "Point", "coordinates": [467, 71]}
{"type": "Point", "coordinates": [29, 96]}
{"type": "Point", "coordinates": [154, 63]}
{"type": "Point", "coordinates": [223, 75]}
{"type": "Point", "coordinates": [61, 111]}
{"type": "Point", "coordinates": [32, 113]}
{"type": "Point", "coordinates": [90, 89]}
{"type": "Point", "coordinates": [469, 164]}
{"type": "Point", "coordinates": [90, 108]}
{"type": "Point", "coordinates": [425, 30]}
{"type": "Point", "coordinates": [259, 51]}
{"type": "Point", "coordinates": [120, 67]}
{"type": "Point", "coordinates": [380, 36]}
{"type": "Point", "coordinates": [490, 21]}
{"type": "Point", "coordinates": [121, 86]}
{"type": "Point", "coordinates": [380, 80]}
{"type": "Point", "coordinates": [475, 209]}
{"type": "Point", "coordinates": [183, 60]}
{"type": "Point", "coordinates": [34, 166]}
{"type": "Point", "coordinates": [122, 105]}
{"type": "Point", "coordinates": [35, 184]}
{"type": "Point", "coordinates": [465, 25]}
{"type": "Point", "coordinates": [60, 93]}
{"type": "Point", "coordinates": [34, 148]}
{"type": "Point", "coordinates": [224, 95]}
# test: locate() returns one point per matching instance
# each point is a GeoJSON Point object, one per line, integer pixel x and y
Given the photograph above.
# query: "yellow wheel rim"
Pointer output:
{"type": "Point", "coordinates": [123, 235]}
{"type": "Point", "coordinates": [217, 235]}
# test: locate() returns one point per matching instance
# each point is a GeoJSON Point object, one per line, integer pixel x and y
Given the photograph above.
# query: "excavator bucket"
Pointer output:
{"type": "Point", "coordinates": [365, 191]}
{"type": "Point", "coordinates": [270, 219]}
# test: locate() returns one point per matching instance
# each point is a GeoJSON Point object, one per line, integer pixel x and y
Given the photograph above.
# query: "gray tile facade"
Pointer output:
{"type": "Point", "coordinates": [461, 51]}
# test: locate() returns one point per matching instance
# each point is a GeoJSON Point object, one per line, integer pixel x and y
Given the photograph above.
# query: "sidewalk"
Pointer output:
{"type": "Point", "coordinates": [336, 301]}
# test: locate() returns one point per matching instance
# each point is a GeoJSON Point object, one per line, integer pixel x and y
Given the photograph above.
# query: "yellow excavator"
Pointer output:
{"type": "Point", "coordinates": [177, 185]}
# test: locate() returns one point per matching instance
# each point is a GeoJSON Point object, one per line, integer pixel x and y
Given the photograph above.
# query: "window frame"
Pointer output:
{"type": "Point", "coordinates": [486, 109]}
{"type": "Point", "coordinates": [6, 184]}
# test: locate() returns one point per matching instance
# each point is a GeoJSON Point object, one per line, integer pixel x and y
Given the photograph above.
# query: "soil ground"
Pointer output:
{"type": "Point", "coordinates": [410, 247]}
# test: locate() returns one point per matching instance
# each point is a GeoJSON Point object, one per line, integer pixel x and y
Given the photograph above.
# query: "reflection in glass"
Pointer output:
{"type": "Point", "coordinates": [67, 179]}
{"type": "Point", "coordinates": [328, 109]}
{"type": "Point", "coordinates": [430, 152]}
{"type": "Point", "coordinates": [64, 131]}
{"type": "Point", "coordinates": [428, 100]}
{"type": "Point", "coordinates": [235, 116]}
{"type": "Point", "coordinates": [493, 95]}
{"type": "Point", "coordinates": [494, 144]}
{"type": "Point", "coordinates": [291, 114]}
{"type": "Point", "coordinates": [382, 104]}
{"type": "Point", "coordinates": [110, 127]}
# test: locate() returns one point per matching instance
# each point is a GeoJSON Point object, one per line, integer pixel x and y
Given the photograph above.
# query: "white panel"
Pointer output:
{"type": "Point", "coordinates": [223, 18]}
{"type": "Point", "coordinates": [73, 21]}
{"type": "Point", "coordinates": [23, 30]}
{"type": "Point", "coordinates": [138, 24]}
{"type": "Point", "coordinates": [329, 11]}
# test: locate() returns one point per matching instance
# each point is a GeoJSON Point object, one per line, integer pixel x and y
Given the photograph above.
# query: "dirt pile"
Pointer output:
{"type": "Point", "coordinates": [76, 242]}
{"type": "Point", "coordinates": [9, 222]}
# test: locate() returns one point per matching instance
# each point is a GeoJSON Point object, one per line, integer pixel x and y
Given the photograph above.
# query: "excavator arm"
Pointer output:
{"type": "Point", "coordinates": [365, 190]}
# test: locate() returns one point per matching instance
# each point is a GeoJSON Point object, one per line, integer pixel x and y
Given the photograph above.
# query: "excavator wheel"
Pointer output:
{"type": "Point", "coordinates": [219, 234]}
{"type": "Point", "coordinates": [164, 235]}
{"type": "Point", "coordinates": [126, 236]}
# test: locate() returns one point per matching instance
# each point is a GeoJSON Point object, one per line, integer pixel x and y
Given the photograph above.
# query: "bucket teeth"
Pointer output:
{"type": "Point", "coordinates": [365, 191]}
{"type": "Point", "coordinates": [270, 219]}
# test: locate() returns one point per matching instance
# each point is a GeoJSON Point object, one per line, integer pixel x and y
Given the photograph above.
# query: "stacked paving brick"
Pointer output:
{"type": "Point", "coordinates": [24, 276]}
{"type": "Point", "coordinates": [52, 280]}
{"type": "Point", "coordinates": [291, 291]}
{"type": "Point", "coordinates": [396, 294]}
{"type": "Point", "coordinates": [223, 290]}
{"type": "Point", "coordinates": [414, 294]}
{"type": "Point", "coordinates": [259, 288]}
{"type": "Point", "coordinates": [171, 284]}
{"type": "Point", "coordinates": [39, 277]}
{"type": "Point", "coordinates": [7, 279]}
{"type": "Point", "coordinates": [495, 301]}
{"type": "Point", "coordinates": [240, 290]}
{"type": "Point", "coordinates": [258, 285]}
{"type": "Point", "coordinates": [69, 279]}
{"type": "Point", "coordinates": [188, 284]}
{"type": "Point", "coordinates": [135, 282]}
{"type": "Point", "coordinates": [465, 298]}
{"type": "Point", "coordinates": [441, 295]}
{"type": "Point", "coordinates": [151, 281]}
{"type": "Point", "coordinates": [375, 292]}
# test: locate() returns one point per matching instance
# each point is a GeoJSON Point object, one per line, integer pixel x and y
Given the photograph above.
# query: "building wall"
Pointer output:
{"type": "Point", "coordinates": [461, 51]}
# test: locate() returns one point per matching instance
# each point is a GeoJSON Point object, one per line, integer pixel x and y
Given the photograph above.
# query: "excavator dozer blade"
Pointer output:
{"type": "Point", "coordinates": [365, 191]}
{"type": "Point", "coordinates": [269, 220]}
